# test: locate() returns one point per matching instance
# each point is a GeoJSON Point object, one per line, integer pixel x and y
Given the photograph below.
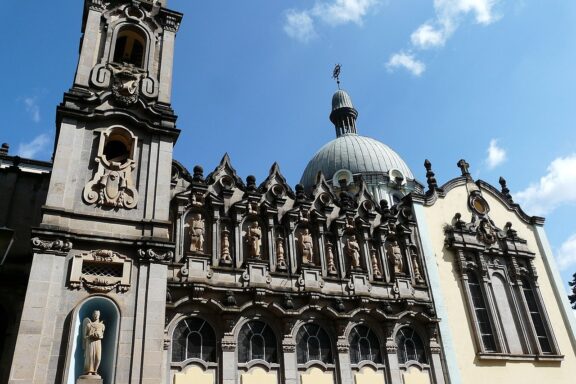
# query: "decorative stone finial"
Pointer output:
{"type": "Point", "coordinates": [198, 174]}
{"type": "Point", "coordinates": [464, 167]}
{"type": "Point", "coordinates": [300, 192]}
{"type": "Point", "coordinates": [4, 149]}
{"type": "Point", "coordinates": [505, 191]}
{"type": "Point", "coordinates": [251, 182]}
{"type": "Point", "coordinates": [430, 176]}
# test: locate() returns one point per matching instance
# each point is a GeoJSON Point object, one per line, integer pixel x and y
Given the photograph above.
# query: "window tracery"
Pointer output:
{"type": "Point", "coordinates": [256, 341]}
{"type": "Point", "coordinates": [364, 345]}
{"type": "Point", "coordinates": [193, 338]}
{"type": "Point", "coordinates": [410, 346]}
{"type": "Point", "coordinates": [313, 343]}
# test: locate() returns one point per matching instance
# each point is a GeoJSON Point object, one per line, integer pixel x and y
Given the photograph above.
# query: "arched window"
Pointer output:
{"type": "Point", "coordinates": [481, 311]}
{"type": "Point", "coordinates": [193, 338]}
{"type": "Point", "coordinates": [257, 341]}
{"type": "Point", "coordinates": [129, 47]}
{"type": "Point", "coordinates": [364, 345]}
{"type": "Point", "coordinates": [410, 346]}
{"type": "Point", "coordinates": [536, 316]}
{"type": "Point", "coordinates": [313, 343]}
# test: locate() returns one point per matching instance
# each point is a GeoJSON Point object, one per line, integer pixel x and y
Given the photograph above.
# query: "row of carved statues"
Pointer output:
{"type": "Point", "coordinates": [306, 249]}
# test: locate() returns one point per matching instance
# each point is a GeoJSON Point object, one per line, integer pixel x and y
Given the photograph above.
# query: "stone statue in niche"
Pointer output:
{"type": "Point", "coordinates": [330, 254]}
{"type": "Point", "coordinates": [280, 259]}
{"type": "Point", "coordinates": [197, 230]}
{"type": "Point", "coordinates": [352, 250]}
{"type": "Point", "coordinates": [415, 264]}
{"type": "Point", "coordinates": [306, 246]}
{"type": "Point", "coordinates": [375, 266]}
{"type": "Point", "coordinates": [92, 335]}
{"type": "Point", "coordinates": [225, 257]}
{"type": "Point", "coordinates": [254, 240]}
{"type": "Point", "coordinates": [395, 256]}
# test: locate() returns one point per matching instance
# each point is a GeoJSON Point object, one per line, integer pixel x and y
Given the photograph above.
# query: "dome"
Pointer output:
{"type": "Point", "coordinates": [341, 99]}
{"type": "Point", "coordinates": [358, 154]}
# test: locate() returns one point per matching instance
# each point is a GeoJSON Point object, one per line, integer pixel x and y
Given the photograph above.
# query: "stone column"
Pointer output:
{"type": "Point", "coordinates": [345, 370]}
{"type": "Point", "coordinates": [289, 361]}
{"type": "Point", "coordinates": [229, 369]}
{"type": "Point", "coordinates": [393, 366]}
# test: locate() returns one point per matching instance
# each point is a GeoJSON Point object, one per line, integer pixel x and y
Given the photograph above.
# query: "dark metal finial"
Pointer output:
{"type": "Point", "coordinates": [336, 74]}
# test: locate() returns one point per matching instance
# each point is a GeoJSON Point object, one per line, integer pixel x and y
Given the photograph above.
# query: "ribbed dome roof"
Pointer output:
{"type": "Point", "coordinates": [341, 99]}
{"type": "Point", "coordinates": [358, 154]}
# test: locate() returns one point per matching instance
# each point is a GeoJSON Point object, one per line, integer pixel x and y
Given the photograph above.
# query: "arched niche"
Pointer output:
{"type": "Point", "coordinates": [110, 315]}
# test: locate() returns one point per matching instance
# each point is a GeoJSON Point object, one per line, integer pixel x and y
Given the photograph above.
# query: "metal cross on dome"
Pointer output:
{"type": "Point", "coordinates": [336, 74]}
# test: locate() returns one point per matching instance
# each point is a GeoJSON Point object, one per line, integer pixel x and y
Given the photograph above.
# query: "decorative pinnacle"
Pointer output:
{"type": "Point", "coordinates": [505, 190]}
{"type": "Point", "coordinates": [336, 74]}
{"type": "Point", "coordinates": [431, 180]}
{"type": "Point", "coordinates": [463, 165]}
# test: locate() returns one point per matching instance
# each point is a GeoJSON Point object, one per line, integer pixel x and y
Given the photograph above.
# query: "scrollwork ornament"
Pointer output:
{"type": "Point", "coordinates": [51, 245]}
{"type": "Point", "coordinates": [151, 255]}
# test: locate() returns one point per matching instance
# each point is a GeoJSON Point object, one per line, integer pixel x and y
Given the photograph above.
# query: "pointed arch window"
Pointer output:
{"type": "Point", "coordinates": [313, 343]}
{"type": "Point", "coordinates": [364, 345]}
{"type": "Point", "coordinates": [410, 346]}
{"type": "Point", "coordinates": [257, 341]}
{"type": "Point", "coordinates": [193, 338]}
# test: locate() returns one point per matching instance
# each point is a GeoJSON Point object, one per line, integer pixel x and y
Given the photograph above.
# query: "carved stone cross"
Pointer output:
{"type": "Point", "coordinates": [463, 165]}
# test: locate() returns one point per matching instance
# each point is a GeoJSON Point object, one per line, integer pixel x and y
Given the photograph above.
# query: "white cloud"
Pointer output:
{"type": "Point", "coordinates": [554, 189]}
{"type": "Point", "coordinates": [496, 154]}
{"type": "Point", "coordinates": [406, 61]}
{"type": "Point", "coordinates": [31, 149]}
{"type": "Point", "coordinates": [32, 108]}
{"type": "Point", "coordinates": [300, 25]}
{"type": "Point", "coordinates": [427, 36]}
{"type": "Point", "coordinates": [566, 255]}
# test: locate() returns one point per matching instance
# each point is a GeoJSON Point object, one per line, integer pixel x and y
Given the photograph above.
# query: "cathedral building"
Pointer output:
{"type": "Point", "coordinates": [120, 265]}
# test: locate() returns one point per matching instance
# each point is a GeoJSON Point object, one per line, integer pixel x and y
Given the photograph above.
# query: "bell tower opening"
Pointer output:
{"type": "Point", "coordinates": [130, 46]}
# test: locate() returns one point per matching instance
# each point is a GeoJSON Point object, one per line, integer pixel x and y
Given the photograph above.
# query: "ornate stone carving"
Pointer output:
{"type": "Point", "coordinates": [151, 255]}
{"type": "Point", "coordinates": [288, 345]}
{"type": "Point", "coordinates": [395, 256]}
{"type": "Point", "coordinates": [306, 246]}
{"type": "Point", "coordinates": [280, 259]}
{"type": "Point", "coordinates": [487, 232]}
{"type": "Point", "coordinates": [415, 264]}
{"type": "Point", "coordinates": [225, 257]}
{"type": "Point", "coordinates": [352, 251]}
{"type": "Point", "coordinates": [112, 184]}
{"type": "Point", "coordinates": [375, 267]}
{"type": "Point", "coordinates": [100, 271]}
{"type": "Point", "coordinates": [97, 5]}
{"type": "Point", "coordinates": [171, 23]}
{"type": "Point", "coordinates": [92, 335]}
{"type": "Point", "coordinates": [51, 245]}
{"type": "Point", "coordinates": [197, 229]}
{"type": "Point", "coordinates": [331, 265]}
{"type": "Point", "coordinates": [254, 240]}
{"type": "Point", "coordinates": [126, 82]}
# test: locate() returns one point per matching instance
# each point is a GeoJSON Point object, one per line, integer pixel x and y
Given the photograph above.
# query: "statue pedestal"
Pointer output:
{"type": "Point", "coordinates": [90, 379]}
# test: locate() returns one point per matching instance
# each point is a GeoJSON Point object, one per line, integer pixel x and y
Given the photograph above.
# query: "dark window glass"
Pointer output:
{"type": "Point", "coordinates": [410, 346]}
{"type": "Point", "coordinates": [482, 318]}
{"type": "Point", "coordinates": [129, 47]}
{"type": "Point", "coordinates": [193, 338]}
{"type": "Point", "coordinates": [257, 341]}
{"type": "Point", "coordinates": [537, 320]}
{"type": "Point", "coordinates": [313, 343]}
{"type": "Point", "coordinates": [364, 345]}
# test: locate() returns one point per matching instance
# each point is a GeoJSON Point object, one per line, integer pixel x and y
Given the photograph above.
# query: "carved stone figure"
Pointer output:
{"type": "Point", "coordinates": [395, 256]}
{"type": "Point", "coordinates": [415, 265]}
{"type": "Point", "coordinates": [197, 230]}
{"type": "Point", "coordinates": [225, 253]}
{"type": "Point", "coordinates": [93, 333]}
{"type": "Point", "coordinates": [126, 82]}
{"type": "Point", "coordinates": [254, 240]}
{"type": "Point", "coordinates": [306, 245]}
{"type": "Point", "coordinates": [280, 253]}
{"type": "Point", "coordinates": [330, 254]}
{"type": "Point", "coordinates": [375, 266]}
{"type": "Point", "coordinates": [352, 250]}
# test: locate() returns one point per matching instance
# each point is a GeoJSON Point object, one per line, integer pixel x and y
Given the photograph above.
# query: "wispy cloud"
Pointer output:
{"type": "Point", "coordinates": [31, 105]}
{"type": "Point", "coordinates": [301, 24]}
{"type": "Point", "coordinates": [406, 61]}
{"type": "Point", "coordinates": [34, 147]}
{"type": "Point", "coordinates": [555, 189]}
{"type": "Point", "coordinates": [566, 255]}
{"type": "Point", "coordinates": [495, 155]}
{"type": "Point", "coordinates": [449, 15]}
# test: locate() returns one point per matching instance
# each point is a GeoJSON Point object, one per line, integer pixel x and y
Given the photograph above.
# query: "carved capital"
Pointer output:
{"type": "Point", "coordinates": [97, 5]}
{"type": "Point", "coordinates": [288, 345]}
{"type": "Point", "coordinates": [54, 246]}
{"type": "Point", "coordinates": [228, 344]}
{"type": "Point", "coordinates": [171, 22]}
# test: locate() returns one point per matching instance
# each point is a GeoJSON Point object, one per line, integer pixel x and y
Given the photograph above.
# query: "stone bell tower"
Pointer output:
{"type": "Point", "coordinates": [104, 240]}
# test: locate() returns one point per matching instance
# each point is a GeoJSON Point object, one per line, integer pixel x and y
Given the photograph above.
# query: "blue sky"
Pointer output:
{"type": "Point", "coordinates": [491, 81]}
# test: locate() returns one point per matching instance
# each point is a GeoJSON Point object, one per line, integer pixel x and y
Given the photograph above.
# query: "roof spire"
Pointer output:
{"type": "Point", "coordinates": [343, 114]}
